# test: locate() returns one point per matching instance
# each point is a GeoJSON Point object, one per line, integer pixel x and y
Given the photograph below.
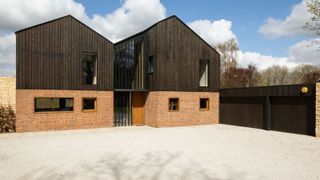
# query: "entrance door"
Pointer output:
{"type": "Point", "coordinates": [122, 109]}
{"type": "Point", "coordinates": [138, 101]}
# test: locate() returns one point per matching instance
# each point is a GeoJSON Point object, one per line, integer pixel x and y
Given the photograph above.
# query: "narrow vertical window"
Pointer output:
{"type": "Point", "coordinates": [89, 68]}
{"type": "Point", "coordinates": [203, 72]}
{"type": "Point", "coordinates": [204, 104]}
{"type": "Point", "coordinates": [150, 65]}
{"type": "Point", "coordinates": [173, 104]}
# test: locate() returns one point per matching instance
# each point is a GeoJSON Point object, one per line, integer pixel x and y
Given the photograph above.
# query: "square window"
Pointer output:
{"type": "Point", "coordinates": [89, 104]}
{"type": "Point", "coordinates": [173, 104]}
{"type": "Point", "coordinates": [204, 103]}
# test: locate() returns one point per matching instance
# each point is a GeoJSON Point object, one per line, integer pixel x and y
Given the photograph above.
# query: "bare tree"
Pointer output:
{"type": "Point", "coordinates": [228, 51]}
{"type": "Point", "coordinates": [314, 25]}
{"type": "Point", "coordinates": [298, 74]}
{"type": "Point", "coordinates": [275, 75]}
{"type": "Point", "coordinates": [240, 77]}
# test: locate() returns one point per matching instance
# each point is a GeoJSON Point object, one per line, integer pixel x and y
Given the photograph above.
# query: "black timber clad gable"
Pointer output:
{"type": "Point", "coordinates": [48, 56]}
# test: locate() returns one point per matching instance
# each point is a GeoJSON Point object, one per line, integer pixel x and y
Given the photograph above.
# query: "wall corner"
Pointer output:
{"type": "Point", "coordinates": [317, 108]}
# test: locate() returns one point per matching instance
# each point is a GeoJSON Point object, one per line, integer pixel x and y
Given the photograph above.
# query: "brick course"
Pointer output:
{"type": "Point", "coordinates": [318, 109]}
{"type": "Point", "coordinates": [158, 115]}
{"type": "Point", "coordinates": [29, 120]}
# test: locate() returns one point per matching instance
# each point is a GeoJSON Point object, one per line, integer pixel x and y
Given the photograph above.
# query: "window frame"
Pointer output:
{"type": "Point", "coordinates": [208, 73]}
{"type": "Point", "coordinates": [178, 104]}
{"type": "Point", "coordinates": [207, 104]}
{"type": "Point", "coordinates": [96, 68]}
{"type": "Point", "coordinates": [89, 110]}
{"type": "Point", "coordinates": [52, 111]}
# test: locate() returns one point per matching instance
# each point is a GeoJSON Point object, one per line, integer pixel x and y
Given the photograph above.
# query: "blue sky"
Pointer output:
{"type": "Point", "coordinates": [268, 32]}
{"type": "Point", "coordinates": [246, 16]}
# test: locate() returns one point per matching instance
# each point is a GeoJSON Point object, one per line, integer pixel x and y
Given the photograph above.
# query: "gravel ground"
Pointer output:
{"type": "Point", "coordinates": [195, 152]}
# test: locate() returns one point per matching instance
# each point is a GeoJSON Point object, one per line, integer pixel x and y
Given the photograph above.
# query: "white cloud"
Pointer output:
{"type": "Point", "coordinates": [305, 51]}
{"type": "Point", "coordinates": [17, 14]}
{"type": "Point", "coordinates": [263, 61]}
{"type": "Point", "coordinates": [291, 26]}
{"type": "Point", "coordinates": [302, 52]}
{"type": "Point", "coordinates": [133, 16]}
{"type": "Point", "coordinates": [214, 32]}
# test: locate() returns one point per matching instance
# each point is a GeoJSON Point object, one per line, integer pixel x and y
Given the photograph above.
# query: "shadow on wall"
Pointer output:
{"type": "Point", "coordinates": [153, 166]}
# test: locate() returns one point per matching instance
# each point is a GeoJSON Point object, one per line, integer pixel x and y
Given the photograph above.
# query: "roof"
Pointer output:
{"type": "Point", "coordinates": [134, 35]}
{"type": "Point", "coordinates": [170, 17]}
{"type": "Point", "coordinates": [57, 19]}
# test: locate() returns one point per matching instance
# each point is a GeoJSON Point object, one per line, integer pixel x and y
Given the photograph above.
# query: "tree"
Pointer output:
{"type": "Point", "coordinates": [298, 73]}
{"type": "Point", "coordinates": [311, 77]}
{"type": "Point", "coordinates": [240, 77]}
{"type": "Point", "coordinates": [275, 75]}
{"type": "Point", "coordinates": [314, 25]}
{"type": "Point", "coordinates": [228, 52]}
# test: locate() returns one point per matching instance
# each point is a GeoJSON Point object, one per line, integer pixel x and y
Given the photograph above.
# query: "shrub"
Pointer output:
{"type": "Point", "coordinates": [7, 119]}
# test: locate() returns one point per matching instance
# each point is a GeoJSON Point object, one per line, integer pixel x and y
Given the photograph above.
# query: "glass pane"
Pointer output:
{"type": "Point", "coordinates": [89, 104]}
{"type": "Point", "coordinates": [173, 104]}
{"type": "Point", "coordinates": [203, 73]}
{"type": "Point", "coordinates": [204, 103]}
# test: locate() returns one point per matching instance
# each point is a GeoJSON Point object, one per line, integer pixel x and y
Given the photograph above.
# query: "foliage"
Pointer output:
{"type": "Point", "coordinates": [7, 119]}
{"type": "Point", "coordinates": [240, 77]}
{"type": "Point", "coordinates": [314, 25]}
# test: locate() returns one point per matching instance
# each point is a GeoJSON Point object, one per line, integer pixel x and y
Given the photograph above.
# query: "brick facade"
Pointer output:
{"type": "Point", "coordinates": [189, 113]}
{"type": "Point", "coordinates": [8, 91]}
{"type": "Point", "coordinates": [29, 120]}
{"type": "Point", "coordinates": [318, 109]}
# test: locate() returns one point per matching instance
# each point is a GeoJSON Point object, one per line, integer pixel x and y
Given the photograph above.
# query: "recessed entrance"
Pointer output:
{"type": "Point", "coordinates": [129, 108]}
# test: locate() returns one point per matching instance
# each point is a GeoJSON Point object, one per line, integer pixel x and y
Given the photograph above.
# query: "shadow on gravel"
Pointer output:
{"type": "Point", "coordinates": [153, 166]}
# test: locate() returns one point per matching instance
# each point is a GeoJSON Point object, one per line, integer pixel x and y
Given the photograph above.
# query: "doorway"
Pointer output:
{"type": "Point", "coordinates": [138, 101]}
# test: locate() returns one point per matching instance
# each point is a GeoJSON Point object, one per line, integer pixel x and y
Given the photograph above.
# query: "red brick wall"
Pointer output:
{"type": "Point", "coordinates": [29, 120]}
{"type": "Point", "coordinates": [158, 115]}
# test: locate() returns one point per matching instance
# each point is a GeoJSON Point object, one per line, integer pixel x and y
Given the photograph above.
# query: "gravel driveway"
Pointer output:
{"type": "Point", "coordinates": [196, 152]}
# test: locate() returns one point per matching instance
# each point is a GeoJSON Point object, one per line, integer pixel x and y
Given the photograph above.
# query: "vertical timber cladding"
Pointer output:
{"type": "Point", "coordinates": [280, 108]}
{"type": "Point", "coordinates": [48, 56]}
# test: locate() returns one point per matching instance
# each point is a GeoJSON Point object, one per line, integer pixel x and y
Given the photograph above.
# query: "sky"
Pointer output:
{"type": "Point", "coordinates": [268, 32]}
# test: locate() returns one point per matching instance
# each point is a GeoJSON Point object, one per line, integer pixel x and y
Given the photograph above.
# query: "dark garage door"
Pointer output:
{"type": "Point", "coordinates": [293, 114]}
{"type": "Point", "coordinates": [243, 111]}
{"type": "Point", "coordinates": [279, 108]}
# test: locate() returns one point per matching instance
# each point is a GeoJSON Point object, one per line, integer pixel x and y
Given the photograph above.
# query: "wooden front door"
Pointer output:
{"type": "Point", "coordinates": [138, 101]}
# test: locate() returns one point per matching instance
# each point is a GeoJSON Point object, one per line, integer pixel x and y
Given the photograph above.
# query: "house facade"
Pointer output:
{"type": "Point", "coordinates": [69, 77]}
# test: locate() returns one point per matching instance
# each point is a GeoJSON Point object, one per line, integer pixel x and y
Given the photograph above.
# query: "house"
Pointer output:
{"type": "Point", "coordinates": [69, 76]}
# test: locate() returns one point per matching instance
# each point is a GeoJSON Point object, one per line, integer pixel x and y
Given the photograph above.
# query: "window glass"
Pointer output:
{"type": "Point", "coordinates": [89, 104]}
{"type": "Point", "coordinates": [173, 104]}
{"type": "Point", "coordinates": [203, 73]}
{"type": "Point", "coordinates": [204, 103]}
{"type": "Point", "coordinates": [53, 104]}
{"type": "Point", "coordinates": [89, 68]}
{"type": "Point", "coordinates": [150, 65]}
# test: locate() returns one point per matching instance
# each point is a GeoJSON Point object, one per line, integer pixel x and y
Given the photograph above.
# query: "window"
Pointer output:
{"type": "Point", "coordinates": [89, 68]}
{"type": "Point", "coordinates": [150, 65]}
{"type": "Point", "coordinates": [53, 104]}
{"type": "Point", "coordinates": [204, 103]}
{"type": "Point", "coordinates": [173, 104]}
{"type": "Point", "coordinates": [89, 104]}
{"type": "Point", "coordinates": [203, 72]}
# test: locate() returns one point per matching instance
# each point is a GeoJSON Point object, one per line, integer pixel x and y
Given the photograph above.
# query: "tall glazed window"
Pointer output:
{"type": "Point", "coordinates": [203, 73]}
{"type": "Point", "coordinates": [89, 68]}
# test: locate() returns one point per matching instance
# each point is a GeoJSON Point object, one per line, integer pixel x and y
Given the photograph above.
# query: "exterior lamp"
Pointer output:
{"type": "Point", "coordinates": [304, 90]}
